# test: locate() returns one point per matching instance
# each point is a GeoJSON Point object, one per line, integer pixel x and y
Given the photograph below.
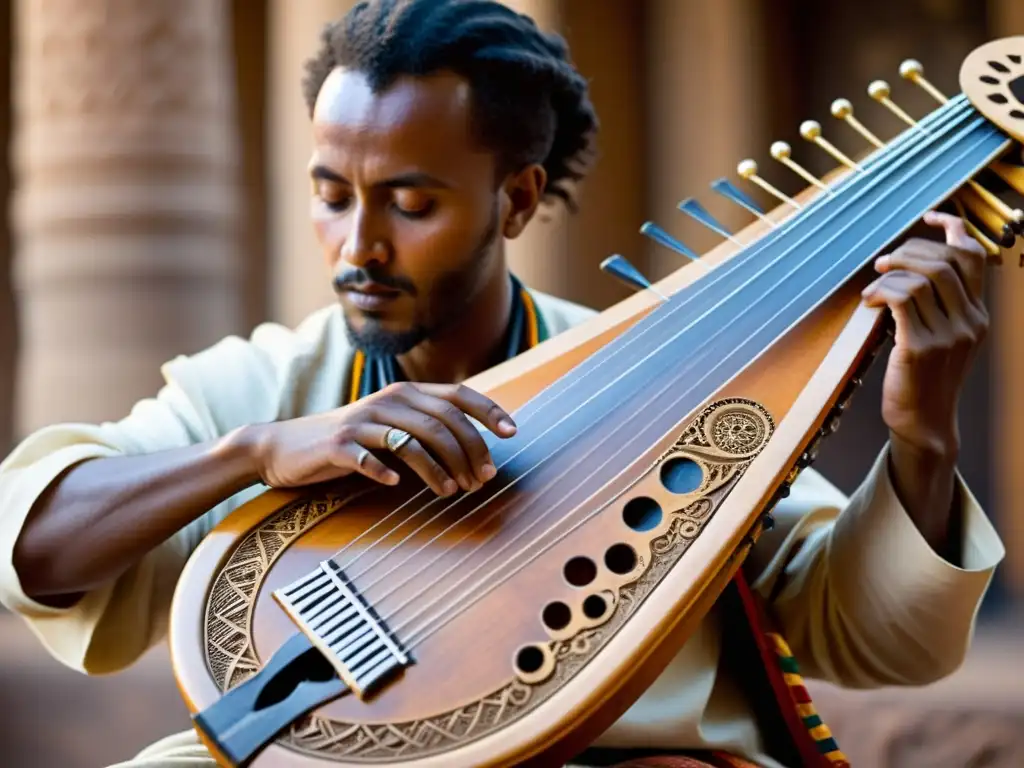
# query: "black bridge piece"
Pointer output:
{"type": "Point", "coordinates": [297, 679]}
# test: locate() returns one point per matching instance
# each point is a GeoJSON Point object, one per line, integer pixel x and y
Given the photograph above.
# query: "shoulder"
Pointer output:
{"type": "Point", "coordinates": [276, 372]}
{"type": "Point", "coordinates": [559, 314]}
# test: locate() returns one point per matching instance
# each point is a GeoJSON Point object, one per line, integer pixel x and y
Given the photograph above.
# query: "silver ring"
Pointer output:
{"type": "Point", "coordinates": [362, 458]}
{"type": "Point", "coordinates": [396, 438]}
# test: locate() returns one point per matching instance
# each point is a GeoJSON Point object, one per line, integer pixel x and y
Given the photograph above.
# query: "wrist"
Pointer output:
{"type": "Point", "coordinates": [242, 450]}
{"type": "Point", "coordinates": [937, 450]}
{"type": "Point", "coordinates": [923, 478]}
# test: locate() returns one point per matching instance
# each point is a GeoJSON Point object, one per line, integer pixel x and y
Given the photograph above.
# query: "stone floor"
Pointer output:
{"type": "Point", "coordinates": [54, 718]}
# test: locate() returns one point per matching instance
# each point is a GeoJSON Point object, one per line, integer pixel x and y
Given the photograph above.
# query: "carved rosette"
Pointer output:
{"type": "Point", "coordinates": [723, 440]}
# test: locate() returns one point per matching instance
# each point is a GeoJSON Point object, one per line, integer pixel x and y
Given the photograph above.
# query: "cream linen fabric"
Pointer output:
{"type": "Point", "coordinates": [864, 600]}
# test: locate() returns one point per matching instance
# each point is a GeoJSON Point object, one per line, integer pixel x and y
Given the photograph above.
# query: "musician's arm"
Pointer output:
{"type": "Point", "coordinates": [113, 510]}
{"type": "Point", "coordinates": [863, 598]}
{"type": "Point", "coordinates": [98, 518]}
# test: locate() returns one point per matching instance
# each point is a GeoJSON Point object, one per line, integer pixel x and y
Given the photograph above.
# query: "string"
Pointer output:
{"type": "Point", "coordinates": [432, 620]}
{"type": "Point", "coordinates": [414, 639]}
{"type": "Point", "coordinates": [889, 218]}
{"type": "Point", "coordinates": [525, 326]}
{"type": "Point", "coordinates": [820, 277]}
{"type": "Point", "coordinates": [547, 396]}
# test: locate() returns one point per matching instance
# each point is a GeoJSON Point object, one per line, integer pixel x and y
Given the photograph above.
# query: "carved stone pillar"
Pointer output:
{"type": "Point", "coordinates": [1006, 19]}
{"type": "Point", "coordinates": [127, 203]}
{"type": "Point", "coordinates": [706, 112]}
{"type": "Point", "coordinates": [560, 253]}
{"type": "Point", "coordinates": [299, 281]}
{"type": "Point", "coordinates": [8, 316]}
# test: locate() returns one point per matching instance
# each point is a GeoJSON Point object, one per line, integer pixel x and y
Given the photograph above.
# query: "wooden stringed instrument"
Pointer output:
{"type": "Point", "coordinates": [354, 624]}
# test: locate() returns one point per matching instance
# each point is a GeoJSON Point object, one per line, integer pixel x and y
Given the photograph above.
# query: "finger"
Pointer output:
{"type": "Point", "coordinates": [970, 254]}
{"type": "Point", "coordinates": [359, 458]}
{"type": "Point", "coordinates": [911, 331]}
{"type": "Point", "coordinates": [945, 281]}
{"type": "Point", "coordinates": [480, 407]}
{"type": "Point", "coordinates": [481, 465]}
{"type": "Point", "coordinates": [433, 452]}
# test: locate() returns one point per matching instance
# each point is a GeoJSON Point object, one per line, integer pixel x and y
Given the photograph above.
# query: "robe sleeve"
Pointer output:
{"type": "Point", "coordinates": [205, 395]}
{"type": "Point", "coordinates": [862, 598]}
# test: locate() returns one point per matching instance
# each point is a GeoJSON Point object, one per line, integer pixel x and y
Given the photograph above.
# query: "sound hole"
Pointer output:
{"type": "Point", "coordinates": [998, 67]}
{"type": "Point", "coordinates": [998, 98]}
{"type": "Point", "coordinates": [594, 607]}
{"type": "Point", "coordinates": [642, 514]}
{"type": "Point", "coordinates": [681, 475]}
{"type": "Point", "coordinates": [529, 659]}
{"type": "Point", "coordinates": [620, 559]}
{"type": "Point", "coordinates": [1017, 114]}
{"type": "Point", "coordinates": [989, 79]}
{"type": "Point", "coordinates": [580, 571]}
{"type": "Point", "coordinates": [1016, 87]}
{"type": "Point", "coordinates": [556, 616]}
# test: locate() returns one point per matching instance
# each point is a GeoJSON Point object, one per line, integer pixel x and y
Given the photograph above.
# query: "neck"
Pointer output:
{"type": "Point", "coordinates": [471, 345]}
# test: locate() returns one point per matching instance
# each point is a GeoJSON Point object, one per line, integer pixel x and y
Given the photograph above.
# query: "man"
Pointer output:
{"type": "Point", "coordinates": [438, 128]}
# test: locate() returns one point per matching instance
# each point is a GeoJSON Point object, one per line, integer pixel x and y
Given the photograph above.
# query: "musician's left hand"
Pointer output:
{"type": "Point", "coordinates": [935, 292]}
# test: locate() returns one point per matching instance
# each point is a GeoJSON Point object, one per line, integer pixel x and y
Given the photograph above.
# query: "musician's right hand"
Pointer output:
{"type": "Point", "coordinates": [445, 449]}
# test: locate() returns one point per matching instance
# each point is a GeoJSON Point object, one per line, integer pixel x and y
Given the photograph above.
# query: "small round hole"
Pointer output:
{"type": "Point", "coordinates": [556, 616]}
{"type": "Point", "coordinates": [681, 475]}
{"type": "Point", "coordinates": [594, 607]}
{"type": "Point", "coordinates": [529, 659]}
{"type": "Point", "coordinates": [580, 571]}
{"type": "Point", "coordinates": [642, 514]}
{"type": "Point", "coordinates": [620, 559]}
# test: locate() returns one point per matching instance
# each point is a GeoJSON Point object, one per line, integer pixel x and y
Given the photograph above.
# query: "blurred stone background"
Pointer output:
{"type": "Point", "coordinates": [156, 199]}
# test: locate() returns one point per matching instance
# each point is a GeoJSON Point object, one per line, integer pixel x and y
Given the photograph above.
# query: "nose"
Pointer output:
{"type": "Point", "coordinates": [363, 242]}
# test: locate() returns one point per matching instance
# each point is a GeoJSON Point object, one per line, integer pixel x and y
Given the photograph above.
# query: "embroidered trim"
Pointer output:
{"type": "Point", "coordinates": [804, 705]}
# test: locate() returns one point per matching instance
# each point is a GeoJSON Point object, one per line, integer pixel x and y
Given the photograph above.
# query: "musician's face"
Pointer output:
{"type": "Point", "coordinates": [407, 206]}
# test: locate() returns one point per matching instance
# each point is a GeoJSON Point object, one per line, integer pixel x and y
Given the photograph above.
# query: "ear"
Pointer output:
{"type": "Point", "coordinates": [521, 193]}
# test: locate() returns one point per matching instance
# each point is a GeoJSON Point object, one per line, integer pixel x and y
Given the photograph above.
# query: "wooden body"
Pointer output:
{"type": "Point", "coordinates": [462, 703]}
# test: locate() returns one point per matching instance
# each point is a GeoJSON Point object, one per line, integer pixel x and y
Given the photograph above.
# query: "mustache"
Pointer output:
{"type": "Point", "coordinates": [354, 278]}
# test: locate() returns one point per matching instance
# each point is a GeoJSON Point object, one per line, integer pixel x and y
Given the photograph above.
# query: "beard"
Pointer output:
{"type": "Point", "coordinates": [451, 295]}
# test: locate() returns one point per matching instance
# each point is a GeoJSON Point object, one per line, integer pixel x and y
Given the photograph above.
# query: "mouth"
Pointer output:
{"type": "Point", "coordinates": [371, 296]}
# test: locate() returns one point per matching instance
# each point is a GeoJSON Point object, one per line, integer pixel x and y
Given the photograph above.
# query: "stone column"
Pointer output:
{"type": "Point", "coordinates": [8, 315]}
{"type": "Point", "coordinates": [126, 212]}
{"type": "Point", "coordinates": [299, 281]}
{"type": "Point", "coordinates": [1006, 19]}
{"type": "Point", "coordinates": [705, 112]}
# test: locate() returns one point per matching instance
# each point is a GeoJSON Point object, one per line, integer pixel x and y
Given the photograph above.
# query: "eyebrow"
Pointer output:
{"type": "Point", "coordinates": [414, 179]}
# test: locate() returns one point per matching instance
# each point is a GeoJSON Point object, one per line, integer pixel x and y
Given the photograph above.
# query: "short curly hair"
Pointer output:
{"type": "Point", "coordinates": [530, 103]}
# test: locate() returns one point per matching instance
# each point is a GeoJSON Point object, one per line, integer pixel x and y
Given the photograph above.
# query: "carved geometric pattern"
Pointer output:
{"type": "Point", "coordinates": [228, 625]}
{"type": "Point", "coordinates": [724, 440]}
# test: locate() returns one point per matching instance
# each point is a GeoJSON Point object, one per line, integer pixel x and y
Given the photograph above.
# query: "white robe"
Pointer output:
{"type": "Point", "coordinates": [866, 602]}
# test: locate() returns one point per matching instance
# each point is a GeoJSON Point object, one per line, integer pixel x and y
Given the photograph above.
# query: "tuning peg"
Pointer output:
{"type": "Point", "coordinates": [879, 91]}
{"type": "Point", "coordinates": [699, 213]}
{"type": "Point", "coordinates": [782, 152]}
{"type": "Point", "coordinates": [912, 70]}
{"type": "Point", "coordinates": [1014, 217]}
{"type": "Point", "coordinates": [731, 192]}
{"type": "Point", "coordinates": [811, 130]}
{"type": "Point", "coordinates": [619, 267]}
{"type": "Point", "coordinates": [843, 109]}
{"type": "Point", "coordinates": [985, 213]}
{"type": "Point", "coordinates": [747, 169]}
{"type": "Point", "coordinates": [990, 248]}
{"type": "Point", "coordinates": [660, 236]}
